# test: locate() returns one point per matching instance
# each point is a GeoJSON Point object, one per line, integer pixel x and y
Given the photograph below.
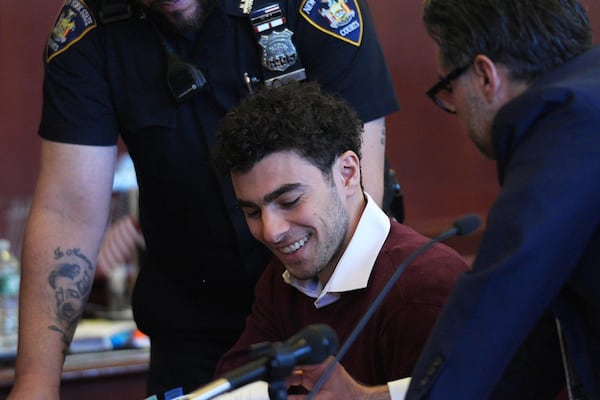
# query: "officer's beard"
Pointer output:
{"type": "Point", "coordinates": [179, 22]}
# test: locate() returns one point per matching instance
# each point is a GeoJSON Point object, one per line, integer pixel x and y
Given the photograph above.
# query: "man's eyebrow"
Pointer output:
{"type": "Point", "coordinates": [270, 197]}
{"type": "Point", "coordinates": [239, 203]}
{"type": "Point", "coordinates": [280, 191]}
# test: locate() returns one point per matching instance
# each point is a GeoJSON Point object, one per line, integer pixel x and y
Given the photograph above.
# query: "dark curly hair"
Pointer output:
{"type": "Point", "coordinates": [299, 117]}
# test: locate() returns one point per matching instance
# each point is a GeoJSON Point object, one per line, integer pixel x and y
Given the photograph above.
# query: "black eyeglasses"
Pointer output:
{"type": "Point", "coordinates": [436, 93]}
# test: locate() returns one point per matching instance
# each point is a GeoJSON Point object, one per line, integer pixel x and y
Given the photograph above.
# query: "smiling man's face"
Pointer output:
{"type": "Point", "coordinates": [292, 208]}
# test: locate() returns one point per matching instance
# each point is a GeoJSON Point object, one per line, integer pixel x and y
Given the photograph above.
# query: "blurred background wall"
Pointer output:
{"type": "Point", "coordinates": [441, 173]}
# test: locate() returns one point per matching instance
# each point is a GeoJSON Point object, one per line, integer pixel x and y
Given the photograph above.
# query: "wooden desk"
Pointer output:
{"type": "Point", "coordinates": [114, 375]}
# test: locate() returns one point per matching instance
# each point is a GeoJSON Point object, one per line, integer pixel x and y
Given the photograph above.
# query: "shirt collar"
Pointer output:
{"type": "Point", "coordinates": [354, 268]}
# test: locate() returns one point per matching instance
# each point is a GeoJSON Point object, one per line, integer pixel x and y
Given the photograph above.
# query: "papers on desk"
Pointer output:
{"type": "Point", "coordinates": [399, 388]}
{"type": "Point", "coordinates": [258, 390]}
{"type": "Point", "coordinates": [100, 334]}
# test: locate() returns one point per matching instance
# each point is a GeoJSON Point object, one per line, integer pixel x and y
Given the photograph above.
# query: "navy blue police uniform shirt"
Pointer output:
{"type": "Point", "coordinates": [105, 80]}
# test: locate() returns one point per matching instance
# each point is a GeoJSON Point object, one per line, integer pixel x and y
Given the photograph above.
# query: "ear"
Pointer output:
{"type": "Point", "coordinates": [349, 170]}
{"type": "Point", "coordinates": [489, 77]}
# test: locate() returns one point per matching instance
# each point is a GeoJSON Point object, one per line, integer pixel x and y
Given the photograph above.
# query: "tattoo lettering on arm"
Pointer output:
{"type": "Point", "coordinates": [383, 136]}
{"type": "Point", "coordinates": [71, 282]}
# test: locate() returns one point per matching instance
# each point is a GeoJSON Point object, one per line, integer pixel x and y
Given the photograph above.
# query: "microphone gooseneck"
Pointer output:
{"type": "Point", "coordinates": [460, 227]}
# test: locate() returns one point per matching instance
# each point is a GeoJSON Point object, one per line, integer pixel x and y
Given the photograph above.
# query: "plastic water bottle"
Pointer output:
{"type": "Point", "coordinates": [10, 278]}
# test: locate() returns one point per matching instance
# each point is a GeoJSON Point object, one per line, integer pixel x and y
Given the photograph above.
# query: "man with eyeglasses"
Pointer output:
{"type": "Point", "coordinates": [523, 78]}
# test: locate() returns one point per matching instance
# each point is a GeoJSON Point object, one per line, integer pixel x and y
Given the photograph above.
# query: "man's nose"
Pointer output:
{"type": "Point", "coordinates": [274, 226]}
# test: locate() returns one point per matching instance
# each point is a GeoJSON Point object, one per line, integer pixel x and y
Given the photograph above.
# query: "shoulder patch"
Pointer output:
{"type": "Point", "coordinates": [74, 21]}
{"type": "Point", "coordinates": [339, 18]}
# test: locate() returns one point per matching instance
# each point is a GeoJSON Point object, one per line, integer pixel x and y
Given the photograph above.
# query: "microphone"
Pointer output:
{"type": "Point", "coordinates": [460, 227]}
{"type": "Point", "coordinates": [275, 361]}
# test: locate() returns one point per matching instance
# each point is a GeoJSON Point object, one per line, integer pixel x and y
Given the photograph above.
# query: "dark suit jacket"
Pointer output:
{"type": "Point", "coordinates": [541, 249]}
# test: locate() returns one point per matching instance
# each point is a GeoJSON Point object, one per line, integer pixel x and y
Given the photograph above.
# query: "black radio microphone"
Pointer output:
{"type": "Point", "coordinates": [461, 227]}
{"type": "Point", "coordinates": [311, 345]}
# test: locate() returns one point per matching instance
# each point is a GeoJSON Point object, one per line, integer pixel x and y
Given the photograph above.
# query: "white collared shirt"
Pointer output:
{"type": "Point", "coordinates": [354, 268]}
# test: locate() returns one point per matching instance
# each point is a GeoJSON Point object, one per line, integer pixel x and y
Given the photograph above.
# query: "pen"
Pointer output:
{"type": "Point", "coordinates": [248, 82]}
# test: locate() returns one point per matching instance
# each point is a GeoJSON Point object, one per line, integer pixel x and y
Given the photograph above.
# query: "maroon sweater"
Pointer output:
{"type": "Point", "coordinates": [390, 343]}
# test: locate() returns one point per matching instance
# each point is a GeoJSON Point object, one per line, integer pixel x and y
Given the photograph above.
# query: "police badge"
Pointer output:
{"type": "Point", "coordinates": [279, 53]}
{"type": "Point", "coordinates": [278, 50]}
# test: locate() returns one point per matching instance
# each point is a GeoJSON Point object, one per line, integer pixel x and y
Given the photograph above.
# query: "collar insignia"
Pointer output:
{"type": "Point", "coordinates": [339, 18]}
{"type": "Point", "coordinates": [73, 22]}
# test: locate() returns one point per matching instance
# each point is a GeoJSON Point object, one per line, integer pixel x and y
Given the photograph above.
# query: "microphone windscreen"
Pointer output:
{"type": "Point", "coordinates": [467, 224]}
{"type": "Point", "coordinates": [322, 340]}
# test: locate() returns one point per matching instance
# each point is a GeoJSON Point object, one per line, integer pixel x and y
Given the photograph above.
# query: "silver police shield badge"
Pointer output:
{"type": "Point", "coordinates": [279, 53]}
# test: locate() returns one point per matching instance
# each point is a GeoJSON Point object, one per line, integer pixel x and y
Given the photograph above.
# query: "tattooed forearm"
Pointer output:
{"type": "Point", "coordinates": [64, 338]}
{"type": "Point", "coordinates": [71, 280]}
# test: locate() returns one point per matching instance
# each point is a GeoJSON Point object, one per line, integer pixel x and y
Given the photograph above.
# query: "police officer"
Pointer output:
{"type": "Point", "coordinates": [160, 74]}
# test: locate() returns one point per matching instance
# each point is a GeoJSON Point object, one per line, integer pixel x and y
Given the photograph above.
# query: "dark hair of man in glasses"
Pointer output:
{"type": "Point", "coordinates": [530, 37]}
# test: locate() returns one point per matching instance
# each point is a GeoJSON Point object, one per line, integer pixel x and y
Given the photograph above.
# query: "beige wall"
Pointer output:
{"type": "Point", "coordinates": [441, 173]}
